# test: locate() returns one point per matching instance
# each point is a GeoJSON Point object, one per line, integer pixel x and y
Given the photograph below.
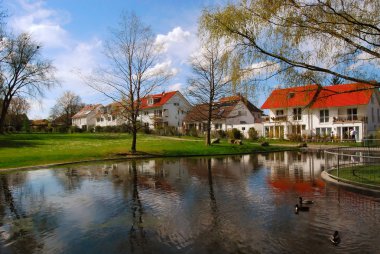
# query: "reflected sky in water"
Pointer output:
{"type": "Point", "coordinates": [234, 204]}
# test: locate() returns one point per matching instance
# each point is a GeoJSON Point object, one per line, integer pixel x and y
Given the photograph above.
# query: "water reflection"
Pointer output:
{"type": "Point", "coordinates": [195, 205]}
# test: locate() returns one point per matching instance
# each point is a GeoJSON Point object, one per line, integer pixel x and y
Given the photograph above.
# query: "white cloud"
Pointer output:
{"type": "Point", "coordinates": [177, 35]}
{"type": "Point", "coordinates": [68, 55]}
{"type": "Point", "coordinates": [45, 25]}
{"type": "Point", "coordinates": [164, 67]}
{"type": "Point", "coordinates": [175, 87]}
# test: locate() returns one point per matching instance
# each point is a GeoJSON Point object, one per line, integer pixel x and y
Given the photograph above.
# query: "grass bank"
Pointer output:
{"type": "Point", "coordinates": [20, 150]}
{"type": "Point", "coordinates": [366, 174]}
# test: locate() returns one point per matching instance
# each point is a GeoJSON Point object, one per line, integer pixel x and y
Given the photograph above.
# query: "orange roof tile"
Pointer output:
{"type": "Point", "coordinates": [330, 96]}
{"type": "Point", "coordinates": [159, 100]}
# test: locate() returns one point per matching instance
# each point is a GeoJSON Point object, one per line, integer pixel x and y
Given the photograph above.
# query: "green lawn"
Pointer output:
{"type": "Point", "coordinates": [367, 174]}
{"type": "Point", "coordinates": [19, 150]}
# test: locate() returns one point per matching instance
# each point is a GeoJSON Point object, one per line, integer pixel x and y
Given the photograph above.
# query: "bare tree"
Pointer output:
{"type": "Point", "coordinates": [307, 39]}
{"type": "Point", "coordinates": [210, 79]}
{"type": "Point", "coordinates": [67, 105]}
{"type": "Point", "coordinates": [17, 111]}
{"type": "Point", "coordinates": [133, 71]}
{"type": "Point", "coordinates": [23, 73]}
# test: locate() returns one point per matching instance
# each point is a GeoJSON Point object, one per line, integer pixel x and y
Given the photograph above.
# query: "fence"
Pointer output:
{"type": "Point", "coordinates": [356, 165]}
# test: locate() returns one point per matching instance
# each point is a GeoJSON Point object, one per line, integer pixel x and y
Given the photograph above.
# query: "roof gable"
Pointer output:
{"type": "Point", "coordinates": [158, 100]}
{"type": "Point", "coordinates": [221, 109]}
{"type": "Point", "coordinates": [86, 110]}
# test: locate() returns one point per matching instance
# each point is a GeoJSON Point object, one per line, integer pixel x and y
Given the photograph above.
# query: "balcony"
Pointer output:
{"type": "Point", "coordinates": [350, 119]}
{"type": "Point", "coordinates": [279, 118]}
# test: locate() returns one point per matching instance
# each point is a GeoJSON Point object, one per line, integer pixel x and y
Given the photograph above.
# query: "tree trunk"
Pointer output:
{"type": "Point", "coordinates": [3, 114]}
{"type": "Point", "coordinates": [134, 137]}
{"type": "Point", "coordinates": [208, 135]}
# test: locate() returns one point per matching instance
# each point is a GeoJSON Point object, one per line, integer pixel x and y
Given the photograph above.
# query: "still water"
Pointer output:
{"type": "Point", "coordinates": [235, 204]}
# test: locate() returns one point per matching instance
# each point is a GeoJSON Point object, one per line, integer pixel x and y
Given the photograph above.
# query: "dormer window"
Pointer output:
{"type": "Point", "coordinates": [150, 101]}
{"type": "Point", "coordinates": [291, 95]}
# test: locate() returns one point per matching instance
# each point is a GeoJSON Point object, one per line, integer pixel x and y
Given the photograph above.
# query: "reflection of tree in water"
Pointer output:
{"type": "Point", "coordinates": [17, 229]}
{"type": "Point", "coordinates": [137, 233]}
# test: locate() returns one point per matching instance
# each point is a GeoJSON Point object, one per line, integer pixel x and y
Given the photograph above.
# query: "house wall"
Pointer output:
{"type": "Point", "coordinates": [240, 115]}
{"type": "Point", "coordinates": [173, 112]}
{"type": "Point", "coordinates": [311, 119]}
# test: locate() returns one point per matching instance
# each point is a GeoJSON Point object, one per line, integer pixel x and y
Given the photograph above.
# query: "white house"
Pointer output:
{"type": "Point", "coordinates": [330, 111]}
{"type": "Point", "coordinates": [229, 112]}
{"type": "Point", "coordinates": [109, 115]}
{"type": "Point", "coordinates": [164, 109]}
{"type": "Point", "coordinates": [85, 118]}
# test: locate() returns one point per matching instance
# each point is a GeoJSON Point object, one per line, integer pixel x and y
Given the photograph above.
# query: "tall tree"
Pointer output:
{"type": "Point", "coordinates": [133, 71]}
{"type": "Point", "coordinates": [210, 78]}
{"type": "Point", "coordinates": [308, 39]}
{"type": "Point", "coordinates": [67, 105]}
{"type": "Point", "coordinates": [17, 111]}
{"type": "Point", "coordinates": [23, 72]}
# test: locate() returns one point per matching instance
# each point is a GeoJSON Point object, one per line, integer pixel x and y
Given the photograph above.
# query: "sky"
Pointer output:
{"type": "Point", "coordinates": [72, 35]}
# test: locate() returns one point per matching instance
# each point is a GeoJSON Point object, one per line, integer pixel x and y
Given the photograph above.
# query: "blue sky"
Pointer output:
{"type": "Point", "coordinates": [72, 33]}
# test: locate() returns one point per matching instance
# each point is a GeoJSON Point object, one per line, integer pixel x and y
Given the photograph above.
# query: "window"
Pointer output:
{"type": "Point", "coordinates": [297, 114]}
{"type": "Point", "coordinates": [98, 119]}
{"type": "Point", "coordinates": [291, 95]}
{"type": "Point", "coordinates": [113, 118]}
{"type": "Point", "coordinates": [150, 101]}
{"type": "Point", "coordinates": [352, 114]}
{"type": "Point", "coordinates": [243, 128]}
{"type": "Point", "coordinates": [279, 112]}
{"type": "Point", "coordinates": [218, 126]}
{"type": "Point", "coordinates": [146, 113]}
{"type": "Point", "coordinates": [176, 104]}
{"type": "Point", "coordinates": [109, 118]}
{"type": "Point", "coordinates": [324, 116]}
{"type": "Point", "coordinates": [323, 131]}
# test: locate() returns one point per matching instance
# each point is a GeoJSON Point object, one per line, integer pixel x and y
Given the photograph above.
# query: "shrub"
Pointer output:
{"type": "Point", "coordinates": [253, 134]}
{"type": "Point", "coordinates": [295, 137]}
{"type": "Point", "coordinates": [98, 129]}
{"type": "Point", "coordinates": [218, 134]}
{"type": "Point", "coordinates": [192, 132]}
{"type": "Point", "coordinates": [75, 129]}
{"type": "Point", "coordinates": [234, 134]}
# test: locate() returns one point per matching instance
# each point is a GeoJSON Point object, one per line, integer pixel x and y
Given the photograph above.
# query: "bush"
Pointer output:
{"type": "Point", "coordinates": [192, 132]}
{"type": "Point", "coordinates": [253, 134]}
{"type": "Point", "coordinates": [265, 143]}
{"type": "Point", "coordinates": [218, 134]}
{"type": "Point", "coordinates": [98, 129]}
{"type": "Point", "coordinates": [295, 137]}
{"type": "Point", "coordinates": [234, 134]}
{"type": "Point", "coordinates": [75, 129]}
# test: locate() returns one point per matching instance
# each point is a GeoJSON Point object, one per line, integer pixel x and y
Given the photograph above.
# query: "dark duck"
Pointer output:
{"type": "Point", "coordinates": [305, 202]}
{"type": "Point", "coordinates": [298, 208]}
{"type": "Point", "coordinates": [335, 238]}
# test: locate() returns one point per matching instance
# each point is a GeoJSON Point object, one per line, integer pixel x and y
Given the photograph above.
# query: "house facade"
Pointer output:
{"type": "Point", "coordinates": [332, 111]}
{"type": "Point", "coordinates": [228, 113]}
{"type": "Point", "coordinates": [157, 110]}
{"type": "Point", "coordinates": [86, 117]}
{"type": "Point", "coordinates": [164, 109]}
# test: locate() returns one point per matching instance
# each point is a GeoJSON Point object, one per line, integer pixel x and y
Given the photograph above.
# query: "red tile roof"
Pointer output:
{"type": "Point", "coordinates": [159, 100]}
{"type": "Point", "coordinates": [85, 110]}
{"type": "Point", "coordinates": [330, 96]}
{"type": "Point", "coordinates": [221, 109]}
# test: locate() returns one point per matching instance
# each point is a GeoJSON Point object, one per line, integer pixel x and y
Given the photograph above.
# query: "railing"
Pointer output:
{"type": "Point", "coordinates": [354, 165]}
{"type": "Point", "coordinates": [279, 118]}
{"type": "Point", "coordinates": [350, 118]}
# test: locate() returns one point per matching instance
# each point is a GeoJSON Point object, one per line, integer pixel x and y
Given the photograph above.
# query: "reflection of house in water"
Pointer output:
{"type": "Point", "coordinates": [296, 170]}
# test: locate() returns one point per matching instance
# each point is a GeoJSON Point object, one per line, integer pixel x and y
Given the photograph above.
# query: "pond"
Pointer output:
{"type": "Point", "coordinates": [232, 204]}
